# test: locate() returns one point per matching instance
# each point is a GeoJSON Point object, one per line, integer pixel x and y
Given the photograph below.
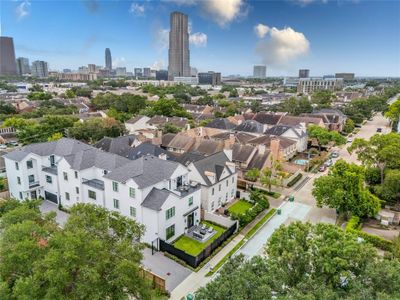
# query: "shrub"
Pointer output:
{"type": "Point", "coordinates": [294, 180]}
{"type": "Point", "coordinates": [372, 175]}
{"type": "Point", "coordinates": [375, 240]}
{"type": "Point", "coordinates": [261, 204]}
{"type": "Point", "coordinates": [354, 223]}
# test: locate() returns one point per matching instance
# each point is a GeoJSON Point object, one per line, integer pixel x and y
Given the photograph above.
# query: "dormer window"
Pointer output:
{"type": "Point", "coordinates": [52, 160]}
{"type": "Point", "coordinates": [29, 164]}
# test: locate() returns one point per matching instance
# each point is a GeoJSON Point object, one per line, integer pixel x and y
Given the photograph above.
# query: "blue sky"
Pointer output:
{"type": "Point", "coordinates": [326, 36]}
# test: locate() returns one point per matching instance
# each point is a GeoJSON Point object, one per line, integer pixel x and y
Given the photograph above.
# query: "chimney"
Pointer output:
{"type": "Point", "coordinates": [275, 147]}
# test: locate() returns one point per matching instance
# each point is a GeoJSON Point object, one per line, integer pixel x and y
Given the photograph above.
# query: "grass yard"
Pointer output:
{"type": "Point", "coordinates": [194, 247]}
{"type": "Point", "coordinates": [240, 207]}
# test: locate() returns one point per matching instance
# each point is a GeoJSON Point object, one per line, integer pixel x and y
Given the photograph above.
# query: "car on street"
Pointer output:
{"type": "Point", "coordinates": [12, 143]}
{"type": "Point", "coordinates": [379, 129]}
{"type": "Point", "coordinates": [3, 146]}
{"type": "Point", "coordinates": [322, 168]}
{"type": "Point", "coordinates": [335, 154]}
{"type": "Point", "coordinates": [350, 140]}
{"type": "Point", "coordinates": [328, 163]}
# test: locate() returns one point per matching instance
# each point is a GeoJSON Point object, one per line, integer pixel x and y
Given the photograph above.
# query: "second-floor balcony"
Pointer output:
{"type": "Point", "coordinates": [186, 189]}
{"type": "Point", "coordinates": [52, 169]}
{"type": "Point", "coordinates": [94, 183]}
{"type": "Point", "coordinates": [33, 184]}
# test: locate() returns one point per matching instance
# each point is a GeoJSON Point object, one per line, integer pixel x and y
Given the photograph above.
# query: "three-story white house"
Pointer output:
{"type": "Point", "coordinates": [217, 176]}
{"type": "Point", "coordinates": [155, 192]}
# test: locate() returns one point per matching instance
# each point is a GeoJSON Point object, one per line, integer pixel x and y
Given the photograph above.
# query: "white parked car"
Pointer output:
{"type": "Point", "coordinates": [3, 146]}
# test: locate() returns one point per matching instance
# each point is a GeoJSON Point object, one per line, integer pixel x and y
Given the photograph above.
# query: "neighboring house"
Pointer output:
{"type": "Point", "coordinates": [177, 143]}
{"type": "Point", "coordinates": [333, 119]}
{"type": "Point", "coordinates": [233, 137]}
{"type": "Point", "coordinates": [198, 109]}
{"type": "Point", "coordinates": [160, 121]}
{"type": "Point", "coordinates": [136, 123]}
{"type": "Point", "coordinates": [250, 126]}
{"type": "Point", "coordinates": [248, 156]}
{"type": "Point", "coordinates": [267, 119]}
{"type": "Point", "coordinates": [217, 176]}
{"type": "Point", "coordinates": [121, 145]}
{"type": "Point", "coordinates": [295, 133]}
{"type": "Point", "coordinates": [281, 148]}
{"type": "Point", "coordinates": [304, 121]}
{"type": "Point", "coordinates": [221, 123]}
{"type": "Point", "coordinates": [155, 192]}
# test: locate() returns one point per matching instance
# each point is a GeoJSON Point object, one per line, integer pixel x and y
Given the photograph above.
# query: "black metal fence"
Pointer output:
{"type": "Point", "coordinates": [194, 261]}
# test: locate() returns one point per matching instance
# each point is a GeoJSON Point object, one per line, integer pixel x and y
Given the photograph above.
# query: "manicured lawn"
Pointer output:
{"type": "Point", "coordinates": [240, 207]}
{"type": "Point", "coordinates": [194, 247]}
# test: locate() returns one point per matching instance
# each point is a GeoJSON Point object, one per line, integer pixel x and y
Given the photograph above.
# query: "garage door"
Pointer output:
{"type": "Point", "coordinates": [51, 197]}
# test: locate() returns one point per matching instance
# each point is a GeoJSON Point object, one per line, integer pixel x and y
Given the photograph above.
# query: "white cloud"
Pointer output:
{"type": "Point", "coordinates": [162, 38]}
{"type": "Point", "coordinates": [119, 62]}
{"type": "Point", "coordinates": [307, 2]}
{"type": "Point", "coordinates": [222, 12]}
{"type": "Point", "coordinates": [198, 39]}
{"type": "Point", "coordinates": [282, 46]}
{"type": "Point", "coordinates": [22, 9]}
{"type": "Point", "coordinates": [137, 9]}
{"type": "Point", "coordinates": [261, 30]}
{"type": "Point", "coordinates": [158, 65]}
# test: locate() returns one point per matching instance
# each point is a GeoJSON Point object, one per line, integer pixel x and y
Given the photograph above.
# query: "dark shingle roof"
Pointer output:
{"type": "Point", "coordinates": [145, 149]}
{"type": "Point", "coordinates": [278, 130]}
{"type": "Point", "coordinates": [119, 145]}
{"type": "Point", "coordinates": [267, 118]}
{"type": "Point", "coordinates": [241, 153]}
{"type": "Point", "coordinates": [258, 160]}
{"type": "Point", "coordinates": [187, 158]}
{"type": "Point", "coordinates": [156, 198]}
{"type": "Point", "coordinates": [214, 163]}
{"type": "Point", "coordinates": [250, 126]}
{"type": "Point", "coordinates": [221, 123]}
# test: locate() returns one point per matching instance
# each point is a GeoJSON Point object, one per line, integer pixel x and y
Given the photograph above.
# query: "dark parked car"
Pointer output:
{"type": "Point", "coordinates": [322, 168]}
{"type": "Point", "coordinates": [379, 130]}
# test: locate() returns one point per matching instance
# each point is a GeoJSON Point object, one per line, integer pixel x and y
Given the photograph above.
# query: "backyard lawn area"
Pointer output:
{"type": "Point", "coordinates": [194, 247]}
{"type": "Point", "coordinates": [240, 207]}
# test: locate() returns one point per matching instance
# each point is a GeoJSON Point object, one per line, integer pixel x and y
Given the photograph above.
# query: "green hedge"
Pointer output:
{"type": "Point", "coordinates": [261, 204]}
{"type": "Point", "coordinates": [354, 226]}
{"type": "Point", "coordinates": [294, 180]}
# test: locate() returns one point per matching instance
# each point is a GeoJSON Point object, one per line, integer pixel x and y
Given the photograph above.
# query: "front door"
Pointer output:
{"type": "Point", "coordinates": [190, 220]}
{"type": "Point", "coordinates": [33, 195]}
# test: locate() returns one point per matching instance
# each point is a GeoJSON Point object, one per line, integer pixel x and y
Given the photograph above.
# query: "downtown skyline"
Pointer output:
{"type": "Point", "coordinates": [324, 36]}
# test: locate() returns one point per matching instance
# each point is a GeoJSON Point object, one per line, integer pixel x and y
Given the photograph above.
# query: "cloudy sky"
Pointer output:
{"type": "Point", "coordinates": [326, 36]}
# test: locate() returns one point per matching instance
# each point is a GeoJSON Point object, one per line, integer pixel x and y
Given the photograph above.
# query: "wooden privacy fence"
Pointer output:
{"type": "Point", "coordinates": [158, 282]}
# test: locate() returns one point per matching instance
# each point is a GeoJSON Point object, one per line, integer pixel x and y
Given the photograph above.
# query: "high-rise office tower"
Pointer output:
{"type": "Point", "coordinates": [108, 59]}
{"type": "Point", "coordinates": [23, 66]}
{"type": "Point", "coordinates": [92, 68]}
{"type": "Point", "coordinates": [178, 53]}
{"type": "Point", "coordinates": [146, 72]}
{"type": "Point", "coordinates": [304, 73]}
{"type": "Point", "coordinates": [260, 71]}
{"type": "Point", "coordinates": [40, 69]}
{"type": "Point", "coordinates": [8, 65]}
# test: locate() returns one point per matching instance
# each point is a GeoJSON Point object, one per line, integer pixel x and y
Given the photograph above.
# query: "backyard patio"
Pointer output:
{"type": "Point", "coordinates": [192, 245]}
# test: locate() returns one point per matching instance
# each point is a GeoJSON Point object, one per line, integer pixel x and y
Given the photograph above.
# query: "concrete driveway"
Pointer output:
{"type": "Point", "coordinates": [61, 217]}
{"type": "Point", "coordinates": [171, 271]}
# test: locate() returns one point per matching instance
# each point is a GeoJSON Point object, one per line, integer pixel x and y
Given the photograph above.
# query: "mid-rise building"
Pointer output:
{"type": "Point", "coordinates": [310, 85]}
{"type": "Point", "coordinates": [77, 76]}
{"type": "Point", "coordinates": [345, 76]}
{"type": "Point", "coordinates": [211, 78]}
{"type": "Point", "coordinates": [108, 59]}
{"type": "Point", "coordinates": [67, 172]}
{"type": "Point", "coordinates": [147, 72]}
{"type": "Point", "coordinates": [67, 71]}
{"type": "Point", "coordinates": [120, 71]}
{"type": "Point", "coordinates": [138, 72]}
{"type": "Point", "coordinates": [92, 68]}
{"type": "Point", "coordinates": [290, 81]}
{"type": "Point", "coordinates": [23, 66]}
{"type": "Point", "coordinates": [39, 69]}
{"type": "Point", "coordinates": [178, 53]}
{"type": "Point", "coordinates": [83, 70]}
{"type": "Point", "coordinates": [8, 65]}
{"type": "Point", "coordinates": [304, 73]}
{"type": "Point", "coordinates": [260, 72]}
{"type": "Point", "coordinates": [162, 75]}
{"type": "Point", "coordinates": [186, 80]}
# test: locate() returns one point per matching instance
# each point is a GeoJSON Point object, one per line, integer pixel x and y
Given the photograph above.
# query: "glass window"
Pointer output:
{"type": "Point", "coordinates": [116, 203]}
{"type": "Point", "coordinates": [233, 179]}
{"type": "Point", "coordinates": [20, 195]}
{"type": "Point", "coordinates": [65, 174]}
{"type": "Point", "coordinates": [227, 182]}
{"type": "Point", "coordinates": [219, 187]}
{"type": "Point", "coordinates": [67, 196]}
{"type": "Point", "coordinates": [232, 192]}
{"type": "Point", "coordinates": [76, 174]}
{"type": "Point", "coordinates": [212, 191]}
{"type": "Point", "coordinates": [19, 180]}
{"type": "Point", "coordinates": [170, 232]}
{"type": "Point", "coordinates": [212, 203]}
{"type": "Point", "coordinates": [77, 190]}
{"type": "Point", "coordinates": [29, 164]}
{"type": "Point", "coordinates": [132, 192]}
{"type": "Point", "coordinates": [170, 213]}
{"type": "Point", "coordinates": [132, 211]}
{"type": "Point", "coordinates": [226, 197]}
{"type": "Point", "coordinates": [92, 194]}
{"type": "Point", "coordinates": [16, 166]}
{"type": "Point", "coordinates": [31, 178]}
{"type": "Point", "coordinates": [190, 200]}
{"type": "Point", "coordinates": [49, 179]}
{"type": "Point", "coordinates": [115, 186]}
{"type": "Point", "coordinates": [52, 160]}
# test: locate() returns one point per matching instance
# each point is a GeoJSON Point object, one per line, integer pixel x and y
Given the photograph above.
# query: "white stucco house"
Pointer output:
{"type": "Point", "coordinates": [295, 133]}
{"type": "Point", "coordinates": [217, 176]}
{"type": "Point", "coordinates": [155, 192]}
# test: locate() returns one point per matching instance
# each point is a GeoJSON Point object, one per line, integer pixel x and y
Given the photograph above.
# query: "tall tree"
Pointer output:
{"type": "Point", "coordinates": [344, 189]}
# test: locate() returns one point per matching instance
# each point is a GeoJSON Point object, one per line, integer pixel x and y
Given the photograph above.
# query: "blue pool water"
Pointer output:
{"type": "Point", "coordinates": [301, 162]}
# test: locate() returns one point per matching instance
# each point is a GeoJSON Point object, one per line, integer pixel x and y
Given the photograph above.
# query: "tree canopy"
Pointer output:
{"type": "Point", "coordinates": [307, 261]}
{"type": "Point", "coordinates": [324, 136]}
{"type": "Point", "coordinates": [323, 98]}
{"type": "Point", "coordinates": [344, 189]}
{"type": "Point", "coordinates": [95, 256]}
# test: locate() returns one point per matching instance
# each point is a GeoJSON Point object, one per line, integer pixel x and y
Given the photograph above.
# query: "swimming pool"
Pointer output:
{"type": "Point", "coordinates": [301, 162]}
